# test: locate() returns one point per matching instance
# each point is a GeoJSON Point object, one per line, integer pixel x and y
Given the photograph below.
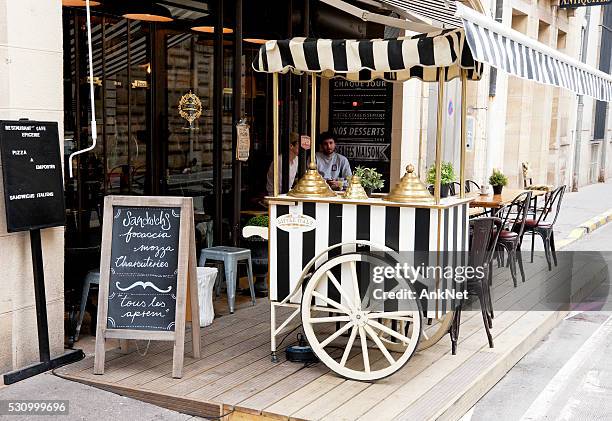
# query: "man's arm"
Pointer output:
{"type": "Point", "coordinates": [346, 168]}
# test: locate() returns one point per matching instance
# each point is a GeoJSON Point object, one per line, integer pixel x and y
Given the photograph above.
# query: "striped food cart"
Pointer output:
{"type": "Point", "coordinates": [320, 241]}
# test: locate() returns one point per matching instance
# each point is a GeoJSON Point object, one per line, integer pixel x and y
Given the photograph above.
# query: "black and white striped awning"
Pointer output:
{"type": "Point", "coordinates": [519, 55]}
{"type": "Point", "coordinates": [398, 59]}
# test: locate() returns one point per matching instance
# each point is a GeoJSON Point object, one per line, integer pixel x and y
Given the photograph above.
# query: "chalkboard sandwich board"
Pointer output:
{"type": "Point", "coordinates": [32, 174]}
{"type": "Point", "coordinates": [148, 256]}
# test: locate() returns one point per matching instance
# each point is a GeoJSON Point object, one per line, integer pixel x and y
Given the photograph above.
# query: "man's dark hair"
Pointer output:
{"type": "Point", "coordinates": [324, 136]}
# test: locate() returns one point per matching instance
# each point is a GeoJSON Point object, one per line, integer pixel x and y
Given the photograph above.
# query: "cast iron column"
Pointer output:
{"type": "Point", "coordinates": [218, 124]}
{"type": "Point", "coordinates": [237, 115]}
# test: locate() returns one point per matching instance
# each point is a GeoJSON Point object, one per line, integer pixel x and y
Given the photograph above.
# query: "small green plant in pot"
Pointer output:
{"type": "Point", "coordinates": [256, 229]}
{"type": "Point", "coordinates": [498, 180]}
{"type": "Point", "coordinates": [447, 176]}
{"type": "Point", "coordinates": [370, 179]}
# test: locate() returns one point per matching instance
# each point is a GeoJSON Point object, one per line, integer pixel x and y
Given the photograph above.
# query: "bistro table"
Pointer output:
{"type": "Point", "coordinates": [496, 201]}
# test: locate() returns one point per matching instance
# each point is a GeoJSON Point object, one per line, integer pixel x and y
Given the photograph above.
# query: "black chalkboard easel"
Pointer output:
{"type": "Point", "coordinates": [148, 259]}
{"type": "Point", "coordinates": [34, 199]}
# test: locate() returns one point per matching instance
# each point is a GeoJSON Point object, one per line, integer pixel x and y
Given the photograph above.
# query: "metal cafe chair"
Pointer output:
{"type": "Point", "coordinates": [513, 218]}
{"type": "Point", "coordinates": [543, 226]}
{"type": "Point", "coordinates": [481, 233]}
{"type": "Point", "coordinates": [470, 186]}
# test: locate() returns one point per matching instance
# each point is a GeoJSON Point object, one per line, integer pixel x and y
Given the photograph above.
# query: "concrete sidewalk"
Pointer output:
{"type": "Point", "coordinates": [85, 402]}
{"type": "Point", "coordinates": [588, 204]}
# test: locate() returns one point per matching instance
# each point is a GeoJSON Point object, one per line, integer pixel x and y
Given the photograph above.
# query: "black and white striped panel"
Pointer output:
{"type": "Point", "coordinates": [442, 12]}
{"type": "Point", "coordinates": [526, 62]}
{"type": "Point", "coordinates": [399, 228]}
{"type": "Point", "coordinates": [398, 59]}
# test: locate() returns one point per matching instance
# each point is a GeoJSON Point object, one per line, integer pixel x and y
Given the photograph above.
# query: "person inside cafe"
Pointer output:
{"type": "Point", "coordinates": [332, 166]}
{"type": "Point", "coordinates": [294, 150]}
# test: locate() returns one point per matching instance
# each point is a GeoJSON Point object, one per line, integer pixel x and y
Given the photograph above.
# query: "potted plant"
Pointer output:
{"type": "Point", "coordinates": [370, 179]}
{"type": "Point", "coordinates": [447, 177]}
{"type": "Point", "coordinates": [498, 180]}
{"type": "Point", "coordinates": [255, 237]}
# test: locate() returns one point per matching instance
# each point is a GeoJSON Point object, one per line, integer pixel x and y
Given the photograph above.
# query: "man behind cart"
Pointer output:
{"type": "Point", "coordinates": [332, 166]}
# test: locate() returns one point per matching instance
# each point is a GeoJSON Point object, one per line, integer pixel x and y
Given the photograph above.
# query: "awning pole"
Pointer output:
{"type": "Point", "coordinates": [463, 132]}
{"type": "Point", "coordinates": [313, 118]}
{"type": "Point", "coordinates": [275, 128]}
{"type": "Point", "coordinates": [437, 186]}
{"type": "Point", "coordinates": [94, 131]}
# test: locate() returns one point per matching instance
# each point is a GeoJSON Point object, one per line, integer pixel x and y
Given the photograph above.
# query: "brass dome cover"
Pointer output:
{"type": "Point", "coordinates": [355, 190]}
{"type": "Point", "coordinates": [311, 185]}
{"type": "Point", "coordinates": [410, 189]}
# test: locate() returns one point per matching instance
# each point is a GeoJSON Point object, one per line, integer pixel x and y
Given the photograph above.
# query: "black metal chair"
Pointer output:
{"type": "Point", "coordinates": [482, 239]}
{"type": "Point", "coordinates": [471, 186]}
{"type": "Point", "coordinates": [513, 218]}
{"type": "Point", "coordinates": [544, 222]}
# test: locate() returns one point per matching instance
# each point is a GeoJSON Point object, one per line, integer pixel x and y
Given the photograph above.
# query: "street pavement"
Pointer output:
{"type": "Point", "coordinates": [568, 375]}
{"type": "Point", "coordinates": [85, 403]}
{"type": "Point", "coordinates": [580, 206]}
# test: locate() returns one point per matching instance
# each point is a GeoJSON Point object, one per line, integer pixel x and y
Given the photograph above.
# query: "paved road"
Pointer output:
{"type": "Point", "coordinates": [568, 376]}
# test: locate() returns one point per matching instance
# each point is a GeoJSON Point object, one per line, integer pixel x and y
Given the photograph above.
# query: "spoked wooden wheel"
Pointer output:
{"type": "Point", "coordinates": [345, 335]}
{"type": "Point", "coordinates": [430, 334]}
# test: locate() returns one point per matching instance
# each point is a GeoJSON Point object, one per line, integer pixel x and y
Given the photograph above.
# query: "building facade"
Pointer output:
{"type": "Point", "coordinates": [30, 87]}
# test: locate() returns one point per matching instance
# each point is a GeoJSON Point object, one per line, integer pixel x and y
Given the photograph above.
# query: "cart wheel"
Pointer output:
{"type": "Point", "coordinates": [430, 335]}
{"type": "Point", "coordinates": [332, 326]}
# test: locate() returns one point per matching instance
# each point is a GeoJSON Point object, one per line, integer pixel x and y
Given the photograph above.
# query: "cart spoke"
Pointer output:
{"type": "Point", "coordinates": [349, 345]}
{"type": "Point", "coordinates": [336, 334]}
{"type": "Point", "coordinates": [357, 298]}
{"type": "Point", "coordinates": [332, 319]}
{"type": "Point", "coordinates": [340, 289]}
{"type": "Point", "coordinates": [327, 309]}
{"type": "Point", "coordinates": [379, 343]}
{"type": "Point", "coordinates": [396, 315]}
{"type": "Point", "coordinates": [331, 302]}
{"type": "Point", "coordinates": [388, 331]}
{"type": "Point", "coordinates": [364, 349]}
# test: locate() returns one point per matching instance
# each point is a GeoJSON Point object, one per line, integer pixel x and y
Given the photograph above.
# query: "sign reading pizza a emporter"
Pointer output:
{"type": "Point", "coordinates": [360, 117]}
{"type": "Point", "coordinates": [32, 174]}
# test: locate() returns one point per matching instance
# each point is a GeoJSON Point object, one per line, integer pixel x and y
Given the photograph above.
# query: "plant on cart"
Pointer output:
{"type": "Point", "coordinates": [447, 177]}
{"type": "Point", "coordinates": [370, 179]}
{"type": "Point", "coordinates": [498, 180]}
{"type": "Point", "coordinates": [256, 229]}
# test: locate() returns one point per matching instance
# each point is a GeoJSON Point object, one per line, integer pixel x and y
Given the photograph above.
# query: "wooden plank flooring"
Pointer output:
{"type": "Point", "coordinates": [236, 377]}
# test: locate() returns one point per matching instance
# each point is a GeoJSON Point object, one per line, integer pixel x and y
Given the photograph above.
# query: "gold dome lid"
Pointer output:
{"type": "Point", "coordinates": [410, 189]}
{"type": "Point", "coordinates": [311, 185]}
{"type": "Point", "coordinates": [355, 189]}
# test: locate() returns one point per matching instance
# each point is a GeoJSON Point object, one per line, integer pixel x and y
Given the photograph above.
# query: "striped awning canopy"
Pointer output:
{"type": "Point", "coordinates": [397, 59]}
{"type": "Point", "coordinates": [504, 48]}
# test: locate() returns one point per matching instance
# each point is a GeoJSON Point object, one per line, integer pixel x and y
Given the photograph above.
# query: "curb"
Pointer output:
{"type": "Point", "coordinates": [585, 228]}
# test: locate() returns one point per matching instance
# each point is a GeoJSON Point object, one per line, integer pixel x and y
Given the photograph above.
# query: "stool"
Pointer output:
{"type": "Point", "coordinates": [92, 277]}
{"type": "Point", "coordinates": [230, 256]}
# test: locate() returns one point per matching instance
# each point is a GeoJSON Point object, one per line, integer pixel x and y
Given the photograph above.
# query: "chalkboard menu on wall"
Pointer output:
{"type": "Point", "coordinates": [147, 260]}
{"type": "Point", "coordinates": [32, 174]}
{"type": "Point", "coordinates": [361, 118]}
{"type": "Point", "coordinates": [144, 267]}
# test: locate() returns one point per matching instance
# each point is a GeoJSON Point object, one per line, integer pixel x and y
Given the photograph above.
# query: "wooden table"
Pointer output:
{"type": "Point", "coordinates": [496, 201]}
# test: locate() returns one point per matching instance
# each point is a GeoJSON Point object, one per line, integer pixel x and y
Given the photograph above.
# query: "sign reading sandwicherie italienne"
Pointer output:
{"type": "Point", "coordinates": [32, 174]}
{"type": "Point", "coordinates": [567, 4]}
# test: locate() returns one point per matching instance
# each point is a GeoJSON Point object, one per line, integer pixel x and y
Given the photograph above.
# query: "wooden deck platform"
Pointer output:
{"type": "Point", "coordinates": [236, 377]}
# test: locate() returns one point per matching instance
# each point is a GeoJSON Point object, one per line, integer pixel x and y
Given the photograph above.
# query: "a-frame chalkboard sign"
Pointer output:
{"type": "Point", "coordinates": [148, 256]}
